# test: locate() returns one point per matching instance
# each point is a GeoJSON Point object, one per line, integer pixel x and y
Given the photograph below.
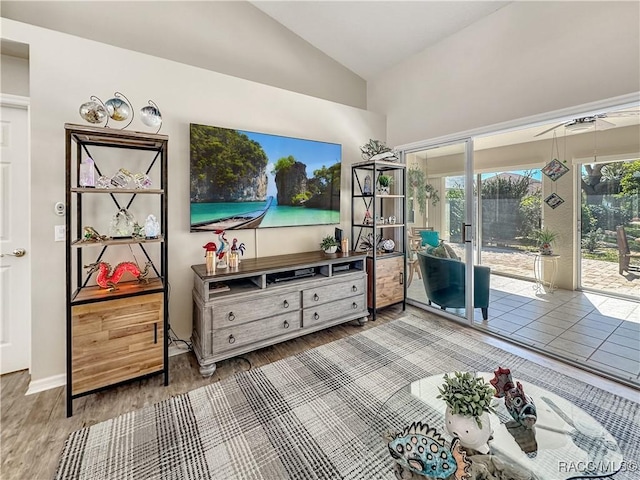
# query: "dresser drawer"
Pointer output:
{"type": "Point", "coordinates": [316, 315]}
{"type": "Point", "coordinates": [247, 310]}
{"type": "Point", "coordinates": [333, 291]}
{"type": "Point", "coordinates": [225, 339]}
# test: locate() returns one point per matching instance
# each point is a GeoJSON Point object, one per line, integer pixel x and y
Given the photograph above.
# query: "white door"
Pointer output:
{"type": "Point", "coordinates": [15, 289]}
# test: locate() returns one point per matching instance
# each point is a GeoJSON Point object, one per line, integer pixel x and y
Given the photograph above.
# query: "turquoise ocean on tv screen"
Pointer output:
{"type": "Point", "coordinates": [277, 216]}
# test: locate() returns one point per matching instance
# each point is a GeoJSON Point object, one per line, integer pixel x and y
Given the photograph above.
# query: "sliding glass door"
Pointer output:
{"type": "Point", "coordinates": [441, 222]}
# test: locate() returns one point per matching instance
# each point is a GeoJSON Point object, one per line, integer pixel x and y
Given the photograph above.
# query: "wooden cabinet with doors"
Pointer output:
{"type": "Point", "coordinates": [378, 227]}
{"type": "Point", "coordinates": [117, 324]}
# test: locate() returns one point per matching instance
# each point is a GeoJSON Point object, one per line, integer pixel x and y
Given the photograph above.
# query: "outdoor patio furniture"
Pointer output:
{"type": "Point", "coordinates": [624, 254]}
{"type": "Point", "coordinates": [444, 282]}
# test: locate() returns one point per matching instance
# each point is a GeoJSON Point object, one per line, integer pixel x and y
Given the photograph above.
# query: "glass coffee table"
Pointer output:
{"type": "Point", "coordinates": [565, 443]}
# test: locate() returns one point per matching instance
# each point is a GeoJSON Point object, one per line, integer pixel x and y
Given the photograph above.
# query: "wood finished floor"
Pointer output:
{"type": "Point", "coordinates": [35, 427]}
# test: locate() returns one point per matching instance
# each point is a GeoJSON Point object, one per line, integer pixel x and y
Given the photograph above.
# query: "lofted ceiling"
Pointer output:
{"type": "Point", "coordinates": [369, 37]}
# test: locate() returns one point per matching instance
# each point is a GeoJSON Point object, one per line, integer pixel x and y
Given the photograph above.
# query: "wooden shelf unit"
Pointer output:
{"type": "Point", "coordinates": [257, 310]}
{"type": "Point", "coordinates": [122, 335]}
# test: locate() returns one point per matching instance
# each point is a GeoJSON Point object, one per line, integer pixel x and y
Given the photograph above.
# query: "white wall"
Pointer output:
{"type": "Point", "coordinates": [231, 37]}
{"type": "Point", "coordinates": [527, 58]}
{"type": "Point", "coordinates": [14, 77]}
{"type": "Point", "coordinates": [66, 70]}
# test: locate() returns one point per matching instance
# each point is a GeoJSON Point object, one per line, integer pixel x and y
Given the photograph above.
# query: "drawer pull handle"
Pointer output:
{"type": "Point", "coordinates": [286, 324]}
{"type": "Point", "coordinates": [286, 304]}
{"type": "Point", "coordinates": [316, 316]}
{"type": "Point", "coordinates": [354, 288]}
{"type": "Point", "coordinates": [315, 297]}
{"type": "Point", "coordinates": [231, 316]}
{"type": "Point", "coordinates": [232, 339]}
{"type": "Point", "coordinates": [354, 305]}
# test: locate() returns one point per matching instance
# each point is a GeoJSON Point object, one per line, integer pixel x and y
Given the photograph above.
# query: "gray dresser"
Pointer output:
{"type": "Point", "coordinates": [272, 299]}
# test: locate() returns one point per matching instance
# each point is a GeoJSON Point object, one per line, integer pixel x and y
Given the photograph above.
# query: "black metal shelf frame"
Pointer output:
{"type": "Point", "coordinates": [373, 203]}
{"type": "Point", "coordinates": [80, 138]}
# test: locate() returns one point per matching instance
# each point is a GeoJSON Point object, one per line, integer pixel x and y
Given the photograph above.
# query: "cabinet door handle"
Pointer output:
{"type": "Point", "coordinates": [155, 332]}
{"type": "Point", "coordinates": [232, 339]}
{"type": "Point", "coordinates": [315, 297]}
{"type": "Point", "coordinates": [231, 316]}
{"type": "Point", "coordinates": [286, 324]}
{"type": "Point", "coordinates": [401, 278]}
{"type": "Point", "coordinates": [354, 305]}
{"type": "Point", "coordinates": [354, 288]}
{"type": "Point", "coordinates": [316, 316]}
{"type": "Point", "coordinates": [285, 304]}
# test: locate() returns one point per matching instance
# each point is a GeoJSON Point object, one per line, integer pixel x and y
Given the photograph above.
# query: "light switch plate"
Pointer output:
{"type": "Point", "coordinates": [60, 233]}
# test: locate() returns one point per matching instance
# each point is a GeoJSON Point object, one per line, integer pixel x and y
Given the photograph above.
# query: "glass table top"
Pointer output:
{"type": "Point", "coordinates": [565, 443]}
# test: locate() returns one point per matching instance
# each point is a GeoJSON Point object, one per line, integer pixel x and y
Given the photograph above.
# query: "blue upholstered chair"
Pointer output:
{"type": "Point", "coordinates": [444, 282]}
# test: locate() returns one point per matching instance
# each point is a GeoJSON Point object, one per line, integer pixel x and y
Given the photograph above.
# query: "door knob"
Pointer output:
{"type": "Point", "coordinates": [18, 252]}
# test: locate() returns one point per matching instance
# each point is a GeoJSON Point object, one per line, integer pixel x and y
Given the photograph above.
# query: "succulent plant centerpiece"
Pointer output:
{"type": "Point", "coordinates": [468, 400]}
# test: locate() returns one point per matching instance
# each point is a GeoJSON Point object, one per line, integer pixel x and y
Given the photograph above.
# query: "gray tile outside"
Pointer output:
{"type": "Point", "coordinates": [598, 331]}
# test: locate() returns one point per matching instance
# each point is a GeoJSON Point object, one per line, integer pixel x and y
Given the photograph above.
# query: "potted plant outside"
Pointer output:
{"type": "Point", "coordinates": [468, 400]}
{"type": "Point", "coordinates": [329, 244]}
{"type": "Point", "coordinates": [384, 183]}
{"type": "Point", "coordinates": [546, 238]}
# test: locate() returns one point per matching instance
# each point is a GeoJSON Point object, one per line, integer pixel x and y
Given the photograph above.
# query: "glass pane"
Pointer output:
{"type": "Point", "coordinates": [436, 209]}
{"type": "Point", "coordinates": [610, 220]}
{"type": "Point", "coordinates": [511, 203]}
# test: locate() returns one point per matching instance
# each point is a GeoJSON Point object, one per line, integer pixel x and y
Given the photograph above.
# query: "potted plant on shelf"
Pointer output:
{"type": "Point", "coordinates": [384, 183]}
{"type": "Point", "coordinates": [468, 400]}
{"type": "Point", "coordinates": [546, 238]}
{"type": "Point", "coordinates": [329, 244]}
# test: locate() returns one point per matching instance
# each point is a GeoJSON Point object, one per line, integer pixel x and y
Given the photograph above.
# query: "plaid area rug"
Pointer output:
{"type": "Point", "coordinates": [316, 415]}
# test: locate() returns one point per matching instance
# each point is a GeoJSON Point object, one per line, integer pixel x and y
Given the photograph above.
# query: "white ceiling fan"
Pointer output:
{"type": "Point", "coordinates": [586, 123]}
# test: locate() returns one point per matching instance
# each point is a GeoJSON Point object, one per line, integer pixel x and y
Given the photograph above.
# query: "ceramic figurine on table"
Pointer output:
{"type": "Point", "coordinates": [423, 451]}
{"type": "Point", "coordinates": [237, 247]}
{"type": "Point", "coordinates": [519, 405]}
{"type": "Point", "coordinates": [222, 250]}
{"type": "Point", "coordinates": [108, 278]}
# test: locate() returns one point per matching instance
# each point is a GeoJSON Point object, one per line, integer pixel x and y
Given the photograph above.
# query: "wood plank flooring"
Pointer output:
{"type": "Point", "coordinates": [33, 428]}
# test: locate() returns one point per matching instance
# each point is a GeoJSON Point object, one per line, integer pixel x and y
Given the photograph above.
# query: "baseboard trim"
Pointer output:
{"type": "Point", "coordinates": [54, 381]}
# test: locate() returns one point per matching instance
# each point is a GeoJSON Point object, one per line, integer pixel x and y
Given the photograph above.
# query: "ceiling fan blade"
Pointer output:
{"type": "Point", "coordinates": [549, 129]}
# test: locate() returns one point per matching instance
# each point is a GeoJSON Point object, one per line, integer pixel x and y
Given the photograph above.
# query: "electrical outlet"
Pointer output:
{"type": "Point", "coordinates": [60, 233]}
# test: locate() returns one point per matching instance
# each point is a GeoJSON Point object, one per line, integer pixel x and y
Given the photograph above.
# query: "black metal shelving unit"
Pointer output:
{"type": "Point", "coordinates": [114, 337]}
{"type": "Point", "coordinates": [386, 271]}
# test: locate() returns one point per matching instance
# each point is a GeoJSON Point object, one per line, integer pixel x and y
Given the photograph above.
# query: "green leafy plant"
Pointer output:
{"type": "Point", "coordinates": [420, 189]}
{"type": "Point", "coordinates": [592, 240]}
{"type": "Point", "coordinates": [467, 395]}
{"type": "Point", "coordinates": [385, 180]}
{"type": "Point", "coordinates": [544, 235]}
{"type": "Point", "coordinates": [328, 242]}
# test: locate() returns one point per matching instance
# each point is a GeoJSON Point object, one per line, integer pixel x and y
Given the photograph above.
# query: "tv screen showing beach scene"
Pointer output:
{"type": "Point", "coordinates": [241, 179]}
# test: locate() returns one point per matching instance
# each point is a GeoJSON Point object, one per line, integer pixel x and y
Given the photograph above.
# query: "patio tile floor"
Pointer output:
{"type": "Point", "coordinates": [597, 331]}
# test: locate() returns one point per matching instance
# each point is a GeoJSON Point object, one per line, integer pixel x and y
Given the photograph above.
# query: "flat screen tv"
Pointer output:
{"type": "Point", "coordinates": [242, 179]}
